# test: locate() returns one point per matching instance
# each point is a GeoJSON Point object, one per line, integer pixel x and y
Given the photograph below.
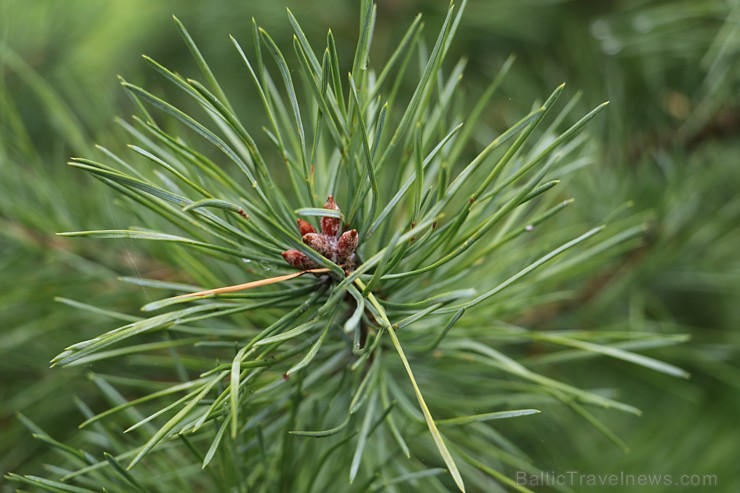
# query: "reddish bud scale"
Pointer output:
{"type": "Point", "coordinates": [299, 260]}
{"type": "Point", "coordinates": [305, 227]}
{"type": "Point", "coordinates": [331, 203]}
{"type": "Point", "coordinates": [347, 245]}
{"type": "Point", "coordinates": [330, 225]}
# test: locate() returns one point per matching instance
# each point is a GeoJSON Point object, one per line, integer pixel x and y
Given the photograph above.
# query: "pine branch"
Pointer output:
{"type": "Point", "coordinates": [444, 246]}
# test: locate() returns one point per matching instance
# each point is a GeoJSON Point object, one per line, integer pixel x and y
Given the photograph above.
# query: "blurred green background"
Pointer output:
{"type": "Point", "coordinates": [670, 143]}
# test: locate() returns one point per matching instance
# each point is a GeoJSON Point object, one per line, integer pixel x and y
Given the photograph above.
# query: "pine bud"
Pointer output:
{"type": "Point", "coordinates": [329, 244]}
{"type": "Point", "coordinates": [299, 260]}
{"type": "Point", "coordinates": [347, 245]}
{"type": "Point", "coordinates": [330, 225]}
{"type": "Point", "coordinates": [321, 244]}
{"type": "Point", "coordinates": [305, 227]}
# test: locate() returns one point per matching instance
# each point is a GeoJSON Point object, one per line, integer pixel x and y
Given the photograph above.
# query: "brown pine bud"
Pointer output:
{"type": "Point", "coordinates": [331, 203]}
{"type": "Point", "coordinates": [321, 244]}
{"type": "Point", "coordinates": [347, 245]}
{"type": "Point", "coordinates": [305, 227]}
{"type": "Point", "coordinates": [299, 260]}
{"type": "Point", "coordinates": [330, 225]}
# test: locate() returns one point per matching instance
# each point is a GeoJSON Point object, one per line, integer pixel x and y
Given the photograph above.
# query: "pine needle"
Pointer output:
{"type": "Point", "coordinates": [252, 284]}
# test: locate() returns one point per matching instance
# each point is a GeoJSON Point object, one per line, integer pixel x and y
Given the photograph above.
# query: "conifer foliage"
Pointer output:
{"type": "Point", "coordinates": [387, 363]}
